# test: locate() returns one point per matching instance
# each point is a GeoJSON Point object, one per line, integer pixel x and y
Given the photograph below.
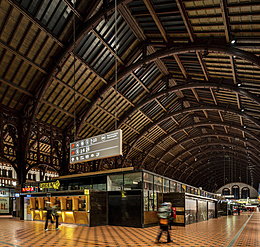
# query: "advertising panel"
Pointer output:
{"type": "Point", "coordinates": [4, 205]}
{"type": "Point", "coordinates": [96, 147]}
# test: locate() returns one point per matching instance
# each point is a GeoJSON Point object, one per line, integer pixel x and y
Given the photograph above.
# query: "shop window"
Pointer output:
{"type": "Point", "coordinates": [148, 181]}
{"type": "Point", "coordinates": [178, 187]}
{"type": "Point", "coordinates": [172, 186]}
{"type": "Point", "coordinates": [235, 192]}
{"type": "Point", "coordinates": [133, 181]}
{"type": "Point", "coordinates": [225, 192]}
{"type": "Point", "coordinates": [115, 182]}
{"type": "Point", "coordinates": [82, 204]}
{"type": "Point", "coordinates": [245, 193]}
{"type": "Point", "coordinates": [4, 173]}
{"type": "Point", "coordinates": [10, 174]}
{"type": "Point", "coordinates": [166, 185]}
{"type": "Point", "coordinates": [183, 188]}
{"type": "Point", "coordinates": [36, 203]}
{"type": "Point", "coordinates": [34, 177]}
{"type": "Point", "coordinates": [57, 201]}
{"type": "Point", "coordinates": [158, 184]}
{"type": "Point", "coordinates": [69, 204]}
{"type": "Point", "coordinates": [29, 176]}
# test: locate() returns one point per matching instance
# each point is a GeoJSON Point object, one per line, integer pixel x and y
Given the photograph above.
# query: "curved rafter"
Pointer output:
{"type": "Point", "coordinates": [161, 54]}
{"type": "Point", "coordinates": [89, 25]}
{"type": "Point", "coordinates": [207, 144]}
{"type": "Point", "coordinates": [160, 69]}
{"type": "Point", "coordinates": [188, 110]}
{"type": "Point", "coordinates": [219, 155]}
{"type": "Point", "coordinates": [208, 171]}
{"type": "Point", "coordinates": [201, 159]}
{"type": "Point", "coordinates": [213, 84]}
{"type": "Point", "coordinates": [190, 138]}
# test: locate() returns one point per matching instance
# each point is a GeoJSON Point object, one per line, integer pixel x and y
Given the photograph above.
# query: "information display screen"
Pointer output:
{"type": "Point", "coordinates": [96, 147]}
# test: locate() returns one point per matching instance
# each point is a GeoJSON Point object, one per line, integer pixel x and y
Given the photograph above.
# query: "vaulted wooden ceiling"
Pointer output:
{"type": "Point", "coordinates": [185, 88]}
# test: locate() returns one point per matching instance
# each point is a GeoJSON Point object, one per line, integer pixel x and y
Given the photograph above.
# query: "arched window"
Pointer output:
{"type": "Point", "coordinates": [245, 193]}
{"type": "Point", "coordinates": [235, 191]}
{"type": "Point", "coordinates": [225, 192]}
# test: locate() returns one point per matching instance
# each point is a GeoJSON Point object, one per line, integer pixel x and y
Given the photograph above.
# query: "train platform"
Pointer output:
{"type": "Point", "coordinates": [243, 230]}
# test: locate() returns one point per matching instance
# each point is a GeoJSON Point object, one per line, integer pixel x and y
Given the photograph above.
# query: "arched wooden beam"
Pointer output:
{"type": "Point", "coordinates": [228, 143]}
{"type": "Point", "coordinates": [197, 164]}
{"type": "Point", "coordinates": [229, 50]}
{"type": "Point", "coordinates": [209, 144]}
{"type": "Point", "coordinates": [191, 138]}
{"type": "Point", "coordinates": [188, 110]}
{"type": "Point", "coordinates": [214, 83]}
{"type": "Point", "coordinates": [200, 124]}
{"type": "Point", "coordinates": [33, 165]}
{"type": "Point", "coordinates": [83, 30]}
{"type": "Point", "coordinates": [207, 172]}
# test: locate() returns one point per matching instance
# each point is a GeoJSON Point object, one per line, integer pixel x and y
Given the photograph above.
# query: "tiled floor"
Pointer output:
{"type": "Point", "coordinates": [243, 230]}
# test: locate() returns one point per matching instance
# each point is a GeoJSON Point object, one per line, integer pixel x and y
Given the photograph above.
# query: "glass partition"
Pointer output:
{"type": "Point", "coordinates": [148, 192]}
{"type": "Point", "coordinates": [158, 184]}
{"type": "Point", "coordinates": [115, 182]}
{"type": "Point", "coordinates": [172, 186]}
{"type": "Point", "coordinates": [179, 187]}
{"type": "Point", "coordinates": [166, 185]}
{"type": "Point", "coordinates": [133, 181]}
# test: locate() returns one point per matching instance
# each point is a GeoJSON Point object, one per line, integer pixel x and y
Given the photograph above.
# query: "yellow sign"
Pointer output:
{"type": "Point", "coordinates": [123, 193]}
{"type": "Point", "coordinates": [86, 192]}
{"type": "Point", "coordinates": [54, 185]}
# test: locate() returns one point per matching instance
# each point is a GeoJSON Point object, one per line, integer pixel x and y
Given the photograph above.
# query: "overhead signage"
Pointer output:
{"type": "Point", "coordinates": [50, 185]}
{"type": "Point", "coordinates": [28, 189]}
{"type": "Point", "coordinates": [97, 147]}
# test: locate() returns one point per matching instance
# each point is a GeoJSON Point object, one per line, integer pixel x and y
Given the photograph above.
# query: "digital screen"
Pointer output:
{"type": "Point", "coordinates": [97, 147]}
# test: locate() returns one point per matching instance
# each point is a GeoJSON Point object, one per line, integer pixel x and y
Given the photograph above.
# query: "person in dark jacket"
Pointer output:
{"type": "Point", "coordinates": [54, 213]}
{"type": "Point", "coordinates": [163, 215]}
{"type": "Point", "coordinates": [48, 216]}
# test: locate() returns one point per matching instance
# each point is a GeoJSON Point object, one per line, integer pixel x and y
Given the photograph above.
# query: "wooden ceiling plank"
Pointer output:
{"type": "Point", "coordinates": [107, 46]}
{"type": "Point", "coordinates": [88, 67]}
{"type": "Point", "coordinates": [156, 19]}
{"type": "Point", "coordinates": [214, 96]}
{"type": "Point", "coordinates": [203, 66]}
{"type": "Point", "coordinates": [140, 82]}
{"type": "Point", "coordinates": [195, 94]}
{"type": "Point", "coordinates": [71, 89]}
{"type": "Point", "coordinates": [186, 19]}
{"type": "Point", "coordinates": [58, 108]}
{"type": "Point", "coordinates": [73, 10]}
{"type": "Point", "coordinates": [10, 49]}
{"type": "Point", "coordinates": [13, 85]}
{"type": "Point", "coordinates": [37, 23]}
{"type": "Point", "coordinates": [107, 112]}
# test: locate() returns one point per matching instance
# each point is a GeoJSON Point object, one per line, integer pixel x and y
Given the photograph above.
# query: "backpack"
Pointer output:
{"type": "Point", "coordinates": [163, 212]}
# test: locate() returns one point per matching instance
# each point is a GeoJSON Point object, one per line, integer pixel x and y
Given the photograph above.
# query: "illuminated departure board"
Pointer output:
{"type": "Point", "coordinates": [96, 147]}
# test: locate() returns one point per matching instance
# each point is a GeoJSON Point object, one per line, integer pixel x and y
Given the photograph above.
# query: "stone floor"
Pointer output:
{"type": "Point", "coordinates": [243, 230]}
